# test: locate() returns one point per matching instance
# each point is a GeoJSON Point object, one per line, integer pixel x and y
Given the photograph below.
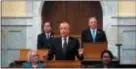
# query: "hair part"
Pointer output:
{"type": "Point", "coordinates": [107, 51]}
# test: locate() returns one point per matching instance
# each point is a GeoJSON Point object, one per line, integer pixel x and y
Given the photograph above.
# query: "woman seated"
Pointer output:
{"type": "Point", "coordinates": [33, 61]}
{"type": "Point", "coordinates": [106, 57]}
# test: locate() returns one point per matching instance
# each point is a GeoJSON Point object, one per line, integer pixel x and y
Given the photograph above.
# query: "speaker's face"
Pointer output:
{"type": "Point", "coordinates": [92, 23]}
{"type": "Point", "coordinates": [64, 30]}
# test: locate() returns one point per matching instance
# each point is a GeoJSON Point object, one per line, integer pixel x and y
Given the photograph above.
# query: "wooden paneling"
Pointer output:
{"type": "Point", "coordinates": [24, 54]}
{"type": "Point", "coordinates": [76, 13]}
{"type": "Point", "coordinates": [63, 64]}
{"type": "Point", "coordinates": [42, 52]}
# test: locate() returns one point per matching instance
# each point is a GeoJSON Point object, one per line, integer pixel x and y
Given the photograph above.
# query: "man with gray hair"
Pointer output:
{"type": "Point", "coordinates": [93, 34]}
{"type": "Point", "coordinates": [33, 61]}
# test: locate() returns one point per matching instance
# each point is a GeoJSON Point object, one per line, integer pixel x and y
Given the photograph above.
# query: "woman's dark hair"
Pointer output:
{"type": "Point", "coordinates": [107, 51]}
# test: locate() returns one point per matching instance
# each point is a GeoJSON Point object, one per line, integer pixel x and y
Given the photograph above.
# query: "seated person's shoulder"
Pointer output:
{"type": "Point", "coordinates": [101, 66]}
{"type": "Point", "coordinates": [98, 66]}
{"type": "Point", "coordinates": [41, 65]}
{"type": "Point", "coordinates": [26, 64]}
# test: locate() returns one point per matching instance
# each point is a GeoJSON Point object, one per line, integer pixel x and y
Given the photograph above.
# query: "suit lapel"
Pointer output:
{"type": "Point", "coordinates": [60, 43]}
{"type": "Point", "coordinates": [59, 47]}
{"type": "Point", "coordinates": [51, 36]}
{"type": "Point", "coordinates": [90, 35]}
{"type": "Point", "coordinates": [44, 36]}
{"type": "Point", "coordinates": [69, 42]}
{"type": "Point", "coordinates": [97, 34]}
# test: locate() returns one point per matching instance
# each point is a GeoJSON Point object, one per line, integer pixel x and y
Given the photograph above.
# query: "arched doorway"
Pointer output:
{"type": "Point", "coordinates": [76, 13]}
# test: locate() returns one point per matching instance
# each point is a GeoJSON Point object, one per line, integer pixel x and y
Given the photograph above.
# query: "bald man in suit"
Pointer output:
{"type": "Point", "coordinates": [93, 34]}
{"type": "Point", "coordinates": [65, 47]}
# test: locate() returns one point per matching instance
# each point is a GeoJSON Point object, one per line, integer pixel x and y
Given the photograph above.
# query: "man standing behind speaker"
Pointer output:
{"type": "Point", "coordinates": [93, 34]}
{"type": "Point", "coordinates": [65, 47]}
{"type": "Point", "coordinates": [44, 39]}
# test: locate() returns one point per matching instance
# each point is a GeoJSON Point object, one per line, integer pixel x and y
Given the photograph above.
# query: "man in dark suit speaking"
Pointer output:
{"type": "Point", "coordinates": [92, 34]}
{"type": "Point", "coordinates": [65, 47]}
{"type": "Point", "coordinates": [44, 39]}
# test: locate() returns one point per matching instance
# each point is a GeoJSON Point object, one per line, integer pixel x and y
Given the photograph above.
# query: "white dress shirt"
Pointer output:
{"type": "Point", "coordinates": [48, 35]}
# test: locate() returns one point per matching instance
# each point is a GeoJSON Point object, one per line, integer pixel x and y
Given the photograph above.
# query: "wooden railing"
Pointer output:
{"type": "Point", "coordinates": [24, 54]}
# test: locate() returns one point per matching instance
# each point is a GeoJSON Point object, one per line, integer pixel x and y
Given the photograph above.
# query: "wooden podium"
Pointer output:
{"type": "Point", "coordinates": [92, 51]}
{"type": "Point", "coordinates": [62, 64]}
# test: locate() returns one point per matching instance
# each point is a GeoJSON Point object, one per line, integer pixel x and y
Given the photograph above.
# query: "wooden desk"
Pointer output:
{"type": "Point", "coordinates": [66, 64]}
{"type": "Point", "coordinates": [63, 64]}
{"type": "Point", "coordinates": [19, 63]}
{"type": "Point", "coordinates": [55, 64]}
{"type": "Point", "coordinates": [93, 50]}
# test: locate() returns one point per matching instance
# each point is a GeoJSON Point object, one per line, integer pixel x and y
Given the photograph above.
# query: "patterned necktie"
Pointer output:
{"type": "Point", "coordinates": [64, 45]}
